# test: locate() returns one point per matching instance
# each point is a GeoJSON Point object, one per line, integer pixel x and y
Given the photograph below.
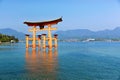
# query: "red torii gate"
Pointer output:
{"type": "Point", "coordinates": [41, 28]}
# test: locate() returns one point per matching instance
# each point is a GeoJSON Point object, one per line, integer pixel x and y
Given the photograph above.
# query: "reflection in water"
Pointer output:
{"type": "Point", "coordinates": [41, 64]}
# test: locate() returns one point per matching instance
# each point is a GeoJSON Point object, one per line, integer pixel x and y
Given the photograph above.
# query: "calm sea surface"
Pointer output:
{"type": "Point", "coordinates": [71, 61]}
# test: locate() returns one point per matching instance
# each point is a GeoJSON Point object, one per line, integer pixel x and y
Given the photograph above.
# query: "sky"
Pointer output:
{"type": "Point", "coordinates": [77, 14]}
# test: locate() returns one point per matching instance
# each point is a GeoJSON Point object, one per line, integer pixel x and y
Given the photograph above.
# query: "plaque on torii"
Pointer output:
{"type": "Point", "coordinates": [35, 29]}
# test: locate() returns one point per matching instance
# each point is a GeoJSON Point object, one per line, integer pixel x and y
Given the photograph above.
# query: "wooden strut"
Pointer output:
{"type": "Point", "coordinates": [39, 41]}
{"type": "Point", "coordinates": [44, 40]}
{"type": "Point", "coordinates": [27, 41]}
{"type": "Point", "coordinates": [34, 37]}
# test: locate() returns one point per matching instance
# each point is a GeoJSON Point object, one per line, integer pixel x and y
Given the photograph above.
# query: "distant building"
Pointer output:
{"type": "Point", "coordinates": [12, 41]}
{"type": "Point", "coordinates": [89, 39]}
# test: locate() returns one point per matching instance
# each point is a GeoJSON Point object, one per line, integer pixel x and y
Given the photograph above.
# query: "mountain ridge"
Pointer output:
{"type": "Point", "coordinates": [71, 34]}
{"type": "Point", "coordinates": [12, 32]}
{"type": "Point", "coordinates": [86, 33]}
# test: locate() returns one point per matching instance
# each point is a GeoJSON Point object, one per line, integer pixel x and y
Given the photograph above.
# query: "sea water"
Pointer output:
{"type": "Point", "coordinates": [71, 61]}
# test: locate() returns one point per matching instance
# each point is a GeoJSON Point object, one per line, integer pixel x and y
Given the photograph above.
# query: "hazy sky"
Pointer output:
{"type": "Point", "coordinates": [77, 14]}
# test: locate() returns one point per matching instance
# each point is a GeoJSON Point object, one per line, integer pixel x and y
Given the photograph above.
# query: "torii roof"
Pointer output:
{"type": "Point", "coordinates": [44, 23]}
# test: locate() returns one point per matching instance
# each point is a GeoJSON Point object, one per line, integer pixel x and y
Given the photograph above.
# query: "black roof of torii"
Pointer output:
{"type": "Point", "coordinates": [44, 23]}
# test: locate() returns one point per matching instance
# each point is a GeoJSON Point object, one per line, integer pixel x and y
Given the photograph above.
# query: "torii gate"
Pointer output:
{"type": "Point", "coordinates": [41, 28]}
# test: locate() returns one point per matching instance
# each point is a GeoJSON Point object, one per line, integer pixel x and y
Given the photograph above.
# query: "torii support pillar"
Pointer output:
{"type": "Point", "coordinates": [49, 37]}
{"type": "Point", "coordinates": [27, 41]}
{"type": "Point", "coordinates": [55, 40]}
{"type": "Point", "coordinates": [34, 37]}
{"type": "Point", "coordinates": [39, 41]}
{"type": "Point", "coordinates": [44, 40]}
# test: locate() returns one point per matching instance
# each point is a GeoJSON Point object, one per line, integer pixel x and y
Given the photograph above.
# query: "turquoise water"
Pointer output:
{"type": "Point", "coordinates": [71, 61]}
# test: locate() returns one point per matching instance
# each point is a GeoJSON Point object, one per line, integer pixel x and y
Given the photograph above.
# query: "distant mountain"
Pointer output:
{"type": "Point", "coordinates": [72, 34]}
{"type": "Point", "coordinates": [11, 32]}
{"type": "Point", "coordinates": [85, 33]}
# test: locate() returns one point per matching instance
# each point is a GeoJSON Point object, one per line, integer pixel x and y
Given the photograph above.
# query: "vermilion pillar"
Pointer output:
{"type": "Point", "coordinates": [55, 39]}
{"type": "Point", "coordinates": [44, 40]}
{"type": "Point", "coordinates": [39, 41]}
{"type": "Point", "coordinates": [49, 37]}
{"type": "Point", "coordinates": [27, 41]}
{"type": "Point", "coordinates": [34, 37]}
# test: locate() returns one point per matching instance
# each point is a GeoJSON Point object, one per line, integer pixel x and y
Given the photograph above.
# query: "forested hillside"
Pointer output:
{"type": "Point", "coordinates": [7, 38]}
